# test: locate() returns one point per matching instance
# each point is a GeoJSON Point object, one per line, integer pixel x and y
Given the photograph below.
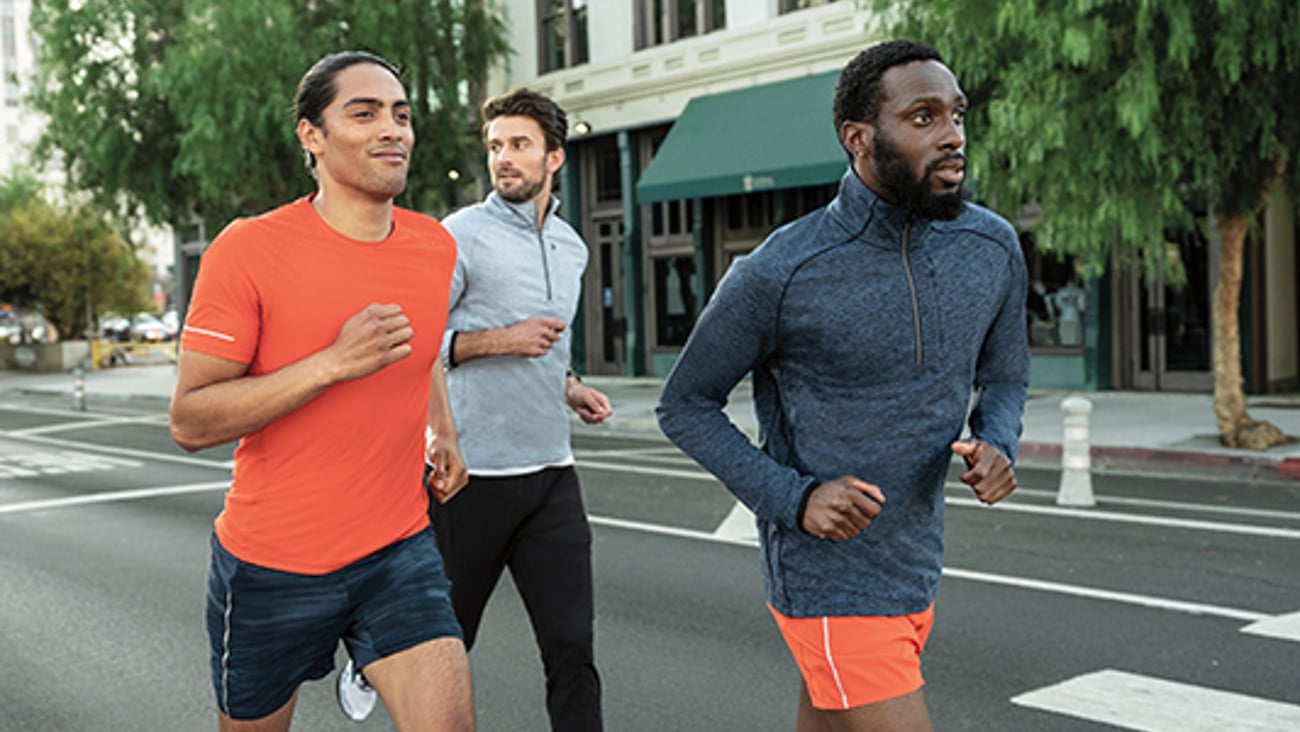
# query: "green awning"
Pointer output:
{"type": "Point", "coordinates": [779, 135]}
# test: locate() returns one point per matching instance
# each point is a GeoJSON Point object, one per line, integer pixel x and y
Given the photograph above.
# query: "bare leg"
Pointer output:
{"type": "Point", "coordinates": [906, 713]}
{"type": "Point", "coordinates": [277, 721]}
{"type": "Point", "coordinates": [426, 688]}
{"type": "Point", "coordinates": [809, 719]}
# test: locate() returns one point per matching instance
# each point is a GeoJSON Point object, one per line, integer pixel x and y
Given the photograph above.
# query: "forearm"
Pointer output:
{"type": "Point", "coordinates": [440, 420]}
{"type": "Point", "coordinates": [226, 410]}
{"type": "Point", "coordinates": [469, 345]}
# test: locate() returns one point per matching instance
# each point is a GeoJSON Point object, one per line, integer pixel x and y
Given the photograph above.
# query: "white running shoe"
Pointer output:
{"type": "Point", "coordinates": [356, 697]}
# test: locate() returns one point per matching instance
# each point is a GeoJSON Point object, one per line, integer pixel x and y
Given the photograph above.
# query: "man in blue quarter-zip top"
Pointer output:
{"type": "Point", "coordinates": [514, 293]}
{"type": "Point", "coordinates": [868, 324]}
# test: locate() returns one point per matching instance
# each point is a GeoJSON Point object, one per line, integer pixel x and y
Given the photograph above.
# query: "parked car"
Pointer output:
{"type": "Point", "coordinates": [115, 328]}
{"type": "Point", "coordinates": [172, 321]}
{"type": "Point", "coordinates": [147, 328]}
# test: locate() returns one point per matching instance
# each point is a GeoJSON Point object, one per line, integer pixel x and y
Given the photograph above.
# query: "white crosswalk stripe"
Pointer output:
{"type": "Point", "coordinates": [1148, 704]}
{"type": "Point", "coordinates": [27, 463]}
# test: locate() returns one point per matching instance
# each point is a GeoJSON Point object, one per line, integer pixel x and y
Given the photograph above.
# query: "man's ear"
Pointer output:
{"type": "Point", "coordinates": [856, 137]}
{"type": "Point", "coordinates": [554, 160]}
{"type": "Point", "coordinates": [311, 137]}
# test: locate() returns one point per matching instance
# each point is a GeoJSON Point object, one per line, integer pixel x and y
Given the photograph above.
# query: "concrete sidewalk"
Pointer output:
{"type": "Point", "coordinates": [1165, 433]}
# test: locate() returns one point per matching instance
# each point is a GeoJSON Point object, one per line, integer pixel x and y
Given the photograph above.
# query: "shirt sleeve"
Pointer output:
{"type": "Point", "coordinates": [1002, 374]}
{"type": "Point", "coordinates": [456, 290]}
{"type": "Point", "coordinates": [223, 319]}
{"type": "Point", "coordinates": [735, 333]}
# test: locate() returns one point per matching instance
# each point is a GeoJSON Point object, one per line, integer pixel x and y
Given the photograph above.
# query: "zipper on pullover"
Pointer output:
{"type": "Point", "coordinates": [911, 286]}
{"type": "Point", "coordinates": [541, 245]}
{"type": "Point", "coordinates": [546, 265]}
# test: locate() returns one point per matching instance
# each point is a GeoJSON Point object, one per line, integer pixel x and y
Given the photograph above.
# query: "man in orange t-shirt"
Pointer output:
{"type": "Point", "coordinates": [313, 338]}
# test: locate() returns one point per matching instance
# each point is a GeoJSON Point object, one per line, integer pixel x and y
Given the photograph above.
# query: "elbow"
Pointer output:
{"type": "Point", "coordinates": [183, 435]}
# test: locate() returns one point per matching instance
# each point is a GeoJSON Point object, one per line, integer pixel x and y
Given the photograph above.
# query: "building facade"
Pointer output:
{"type": "Point", "coordinates": [698, 126]}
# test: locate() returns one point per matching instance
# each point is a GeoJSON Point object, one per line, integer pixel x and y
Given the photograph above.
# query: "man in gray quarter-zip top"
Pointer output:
{"type": "Point", "coordinates": [868, 325]}
{"type": "Point", "coordinates": [514, 294]}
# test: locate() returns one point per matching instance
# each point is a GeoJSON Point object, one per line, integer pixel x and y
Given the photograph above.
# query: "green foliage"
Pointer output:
{"type": "Point", "coordinates": [183, 108]}
{"type": "Point", "coordinates": [56, 260]}
{"type": "Point", "coordinates": [1121, 118]}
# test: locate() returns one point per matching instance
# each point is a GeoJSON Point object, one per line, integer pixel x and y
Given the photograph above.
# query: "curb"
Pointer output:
{"type": "Point", "coordinates": [1171, 462]}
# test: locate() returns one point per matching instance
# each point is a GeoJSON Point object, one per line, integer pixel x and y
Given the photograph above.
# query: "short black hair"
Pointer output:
{"type": "Point", "coordinates": [317, 89]}
{"type": "Point", "coordinates": [858, 96]}
{"type": "Point", "coordinates": [523, 102]}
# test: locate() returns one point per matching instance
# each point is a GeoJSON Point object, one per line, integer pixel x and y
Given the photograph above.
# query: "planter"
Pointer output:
{"type": "Point", "coordinates": [43, 357]}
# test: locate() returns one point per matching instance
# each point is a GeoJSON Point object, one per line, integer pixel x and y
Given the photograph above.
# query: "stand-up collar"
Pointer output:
{"type": "Point", "coordinates": [524, 213]}
{"type": "Point", "coordinates": [858, 211]}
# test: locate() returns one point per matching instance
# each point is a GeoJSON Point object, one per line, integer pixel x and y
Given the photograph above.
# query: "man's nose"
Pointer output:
{"type": "Point", "coordinates": [953, 134]}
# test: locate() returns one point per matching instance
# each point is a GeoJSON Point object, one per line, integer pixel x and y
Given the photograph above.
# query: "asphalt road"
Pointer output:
{"type": "Point", "coordinates": [1126, 616]}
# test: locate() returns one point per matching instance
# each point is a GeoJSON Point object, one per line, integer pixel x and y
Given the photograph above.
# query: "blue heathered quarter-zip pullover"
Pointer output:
{"type": "Point", "coordinates": [866, 332]}
{"type": "Point", "coordinates": [510, 412]}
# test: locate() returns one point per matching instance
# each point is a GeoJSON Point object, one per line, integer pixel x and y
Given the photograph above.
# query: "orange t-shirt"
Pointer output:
{"type": "Point", "coordinates": [340, 477]}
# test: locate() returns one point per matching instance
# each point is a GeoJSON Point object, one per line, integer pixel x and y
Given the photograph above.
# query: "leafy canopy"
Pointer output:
{"type": "Point", "coordinates": [182, 108]}
{"type": "Point", "coordinates": [59, 259]}
{"type": "Point", "coordinates": [1121, 118]}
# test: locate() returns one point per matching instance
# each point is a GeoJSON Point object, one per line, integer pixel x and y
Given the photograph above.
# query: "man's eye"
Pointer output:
{"type": "Point", "coordinates": [959, 116]}
{"type": "Point", "coordinates": [923, 117]}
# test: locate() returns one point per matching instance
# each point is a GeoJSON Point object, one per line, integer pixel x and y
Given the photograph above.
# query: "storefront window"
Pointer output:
{"type": "Point", "coordinates": [674, 300]}
{"type": "Point", "coordinates": [1056, 301]}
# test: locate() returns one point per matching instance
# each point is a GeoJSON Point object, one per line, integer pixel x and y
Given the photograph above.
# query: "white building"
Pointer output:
{"type": "Point", "coordinates": [22, 125]}
{"type": "Point", "coordinates": [697, 125]}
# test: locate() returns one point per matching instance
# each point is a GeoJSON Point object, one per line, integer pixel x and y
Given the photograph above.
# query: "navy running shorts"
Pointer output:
{"type": "Point", "coordinates": [270, 630]}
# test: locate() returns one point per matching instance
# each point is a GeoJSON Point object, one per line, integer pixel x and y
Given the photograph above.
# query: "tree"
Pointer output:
{"type": "Point", "coordinates": [1125, 118]}
{"type": "Point", "coordinates": [68, 263]}
{"type": "Point", "coordinates": [183, 109]}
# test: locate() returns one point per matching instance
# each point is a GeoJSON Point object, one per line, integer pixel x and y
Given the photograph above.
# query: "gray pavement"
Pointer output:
{"type": "Point", "coordinates": [1165, 433]}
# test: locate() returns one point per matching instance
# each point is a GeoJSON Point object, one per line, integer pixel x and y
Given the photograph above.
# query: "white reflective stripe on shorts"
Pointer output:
{"type": "Point", "coordinates": [225, 658]}
{"type": "Point", "coordinates": [826, 643]}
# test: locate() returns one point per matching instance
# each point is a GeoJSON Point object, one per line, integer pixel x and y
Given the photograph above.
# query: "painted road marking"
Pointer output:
{"type": "Point", "coordinates": [1155, 503]}
{"type": "Point", "coordinates": [30, 464]}
{"type": "Point", "coordinates": [124, 451]}
{"type": "Point", "coordinates": [1131, 701]}
{"type": "Point", "coordinates": [1090, 514]}
{"type": "Point", "coordinates": [643, 470]}
{"type": "Point", "coordinates": [1092, 593]}
{"type": "Point", "coordinates": [738, 525]}
{"type": "Point", "coordinates": [110, 497]}
{"type": "Point", "coordinates": [1126, 518]}
{"type": "Point", "coordinates": [1285, 627]}
{"type": "Point", "coordinates": [736, 538]}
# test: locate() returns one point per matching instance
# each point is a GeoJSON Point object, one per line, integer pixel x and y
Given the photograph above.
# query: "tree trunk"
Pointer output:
{"type": "Point", "coordinates": [1236, 428]}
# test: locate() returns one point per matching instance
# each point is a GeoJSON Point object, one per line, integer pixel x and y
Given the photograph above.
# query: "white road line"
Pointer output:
{"type": "Point", "coordinates": [80, 425]}
{"type": "Point", "coordinates": [1154, 503]}
{"type": "Point", "coordinates": [739, 524]}
{"type": "Point", "coordinates": [1158, 603]}
{"type": "Point", "coordinates": [633, 452]}
{"type": "Point", "coordinates": [1149, 704]}
{"type": "Point", "coordinates": [125, 451]}
{"type": "Point", "coordinates": [110, 497]}
{"type": "Point", "coordinates": [643, 458]}
{"type": "Point", "coordinates": [1285, 627]}
{"type": "Point", "coordinates": [1085, 513]}
{"type": "Point", "coordinates": [670, 531]}
{"type": "Point", "coordinates": [1125, 518]}
{"type": "Point", "coordinates": [641, 470]}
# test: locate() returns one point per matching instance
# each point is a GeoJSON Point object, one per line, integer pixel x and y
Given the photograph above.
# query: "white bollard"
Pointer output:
{"type": "Point", "coordinates": [79, 388]}
{"type": "Point", "coordinates": [1076, 462]}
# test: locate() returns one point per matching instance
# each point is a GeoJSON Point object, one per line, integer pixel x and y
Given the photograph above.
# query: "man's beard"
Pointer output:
{"type": "Point", "coordinates": [904, 190]}
{"type": "Point", "coordinates": [526, 190]}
